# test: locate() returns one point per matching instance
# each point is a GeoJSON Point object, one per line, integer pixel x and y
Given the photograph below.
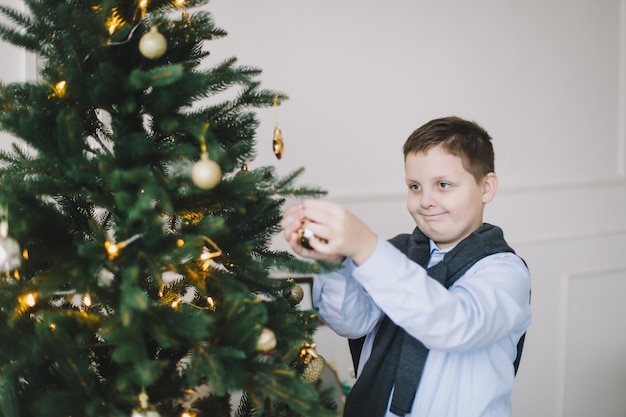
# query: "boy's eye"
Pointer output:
{"type": "Point", "coordinates": [444, 185]}
{"type": "Point", "coordinates": [414, 187]}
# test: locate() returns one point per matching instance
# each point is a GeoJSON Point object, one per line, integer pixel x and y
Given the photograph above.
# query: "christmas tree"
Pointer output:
{"type": "Point", "coordinates": [138, 275]}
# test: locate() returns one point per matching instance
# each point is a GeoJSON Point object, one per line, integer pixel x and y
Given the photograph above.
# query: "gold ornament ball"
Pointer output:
{"type": "Point", "coordinates": [313, 370]}
{"type": "Point", "coordinates": [296, 293]}
{"type": "Point", "coordinates": [206, 173]}
{"type": "Point", "coordinates": [267, 341]}
{"type": "Point", "coordinates": [10, 255]}
{"type": "Point", "coordinates": [152, 44]}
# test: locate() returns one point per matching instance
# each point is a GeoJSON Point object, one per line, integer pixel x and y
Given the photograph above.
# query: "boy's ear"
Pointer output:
{"type": "Point", "coordinates": [490, 185]}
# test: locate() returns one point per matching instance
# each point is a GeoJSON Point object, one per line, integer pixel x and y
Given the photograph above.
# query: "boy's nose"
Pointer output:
{"type": "Point", "coordinates": [427, 200]}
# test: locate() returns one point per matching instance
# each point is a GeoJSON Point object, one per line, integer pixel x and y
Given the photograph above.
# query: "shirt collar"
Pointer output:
{"type": "Point", "coordinates": [434, 248]}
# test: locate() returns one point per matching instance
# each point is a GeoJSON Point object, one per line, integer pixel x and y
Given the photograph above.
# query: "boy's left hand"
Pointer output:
{"type": "Point", "coordinates": [292, 223]}
{"type": "Point", "coordinates": [339, 233]}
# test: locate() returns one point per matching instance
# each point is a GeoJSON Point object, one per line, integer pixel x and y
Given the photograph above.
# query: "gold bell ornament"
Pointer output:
{"type": "Point", "coordinates": [277, 142]}
{"type": "Point", "coordinates": [305, 235]}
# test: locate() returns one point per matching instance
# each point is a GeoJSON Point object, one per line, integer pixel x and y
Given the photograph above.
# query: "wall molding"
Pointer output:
{"type": "Point", "coordinates": [621, 144]}
{"type": "Point", "coordinates": [376, 196]}
{"type": "Point", "coordinates": [567, 237]}
{"type": "Point", "coordinates": [566, 280]}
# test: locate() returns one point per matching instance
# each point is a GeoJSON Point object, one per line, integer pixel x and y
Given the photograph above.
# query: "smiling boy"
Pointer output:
{"type": "Point", "coordinates": [434, 317]}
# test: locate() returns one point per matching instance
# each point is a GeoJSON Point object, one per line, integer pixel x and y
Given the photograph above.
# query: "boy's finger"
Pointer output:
{"type": "Point", "coordinates": [320, 211]}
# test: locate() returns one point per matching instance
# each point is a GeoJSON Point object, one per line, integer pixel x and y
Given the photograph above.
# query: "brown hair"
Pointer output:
{"type": "Point", "coordinates": [458, 137]}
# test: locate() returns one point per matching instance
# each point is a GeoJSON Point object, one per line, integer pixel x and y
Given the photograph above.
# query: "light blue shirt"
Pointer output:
{"type": "Point", "coordinates": [472, 329]}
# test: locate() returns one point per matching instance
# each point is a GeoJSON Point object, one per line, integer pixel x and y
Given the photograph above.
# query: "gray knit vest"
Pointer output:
{"type": "Point", "coordinates": [397, 359]}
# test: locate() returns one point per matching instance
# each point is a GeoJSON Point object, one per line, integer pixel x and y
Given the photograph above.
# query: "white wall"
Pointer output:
{"type": "Point", "coordinates": [548, 81]}
{"type": "Point", "coordinates": [17, 66]}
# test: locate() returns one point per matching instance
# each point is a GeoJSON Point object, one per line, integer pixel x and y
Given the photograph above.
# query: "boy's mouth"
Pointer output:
{"type": "Point", "coordinates": [432, 216]}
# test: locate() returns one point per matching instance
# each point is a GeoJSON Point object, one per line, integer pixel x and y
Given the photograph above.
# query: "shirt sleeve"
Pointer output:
{"type": "Point", "coordinates": [343, 304]}
{"type": "Point", "coordinates": [489, 302]}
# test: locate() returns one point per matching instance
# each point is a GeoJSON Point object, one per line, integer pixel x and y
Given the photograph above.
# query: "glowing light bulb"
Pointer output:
{"type": "Point", "coordinates": [112, 249]}
{"type": "Point", "coordinates": [30, 300]}
{"type": "Point", "coordinates": [114, 22]}
{"type": "Point", "coordinates": [59, 88]}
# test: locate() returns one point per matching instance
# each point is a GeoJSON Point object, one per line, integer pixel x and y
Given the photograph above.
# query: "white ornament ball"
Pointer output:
{"type": "Point", "coordinates": [152, 44]}
{"type": "Point", "coordinates": [206, 173]}
{"type": "Point", "coordinates": [10, 255]}
{"type": "Point", "coordinates": [267, 341]}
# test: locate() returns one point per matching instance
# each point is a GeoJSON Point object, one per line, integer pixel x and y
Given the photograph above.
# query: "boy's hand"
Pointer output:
{"type": "Point", "coordinates": [292, 224]}
{"type": "Point", "coordinates": [338, 232]}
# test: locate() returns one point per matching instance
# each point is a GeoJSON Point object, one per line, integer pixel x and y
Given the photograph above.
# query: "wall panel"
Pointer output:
{"type": "Point", "coordinates": [595, 351]}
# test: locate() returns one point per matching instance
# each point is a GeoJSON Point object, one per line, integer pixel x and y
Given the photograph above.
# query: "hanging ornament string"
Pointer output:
{"type": "Point", "coordinates": [277, 141]}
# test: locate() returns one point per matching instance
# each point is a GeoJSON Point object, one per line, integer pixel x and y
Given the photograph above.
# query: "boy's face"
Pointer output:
{"type": "Point", "coordinates": [443, 198]}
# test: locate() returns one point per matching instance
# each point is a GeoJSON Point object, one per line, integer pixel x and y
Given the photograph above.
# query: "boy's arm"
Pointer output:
{"type": "Point", "coordinates": [343, 303]}
{"type": "Point", "coordinates": [489, 302]}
